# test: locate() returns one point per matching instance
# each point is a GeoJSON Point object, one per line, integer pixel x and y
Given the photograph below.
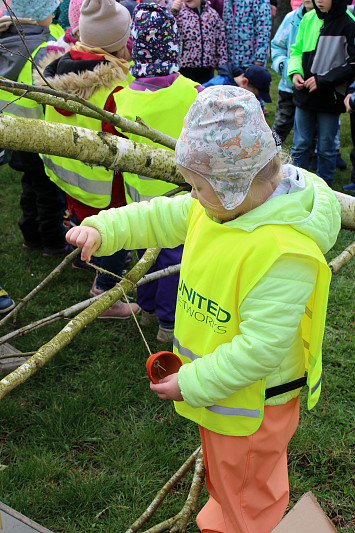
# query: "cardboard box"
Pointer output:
{"type": "Point", "coordinates": [306, 516]}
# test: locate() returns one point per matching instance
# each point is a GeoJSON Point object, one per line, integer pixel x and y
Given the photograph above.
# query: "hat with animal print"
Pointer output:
{"type": "Point", "coordinates": [155, 41]}
{"type": "Point", "coordinates": [226, 140]}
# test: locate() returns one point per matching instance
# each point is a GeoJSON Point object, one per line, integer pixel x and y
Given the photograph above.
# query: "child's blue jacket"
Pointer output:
{"type": "Point", "coordinates": [281, 44]}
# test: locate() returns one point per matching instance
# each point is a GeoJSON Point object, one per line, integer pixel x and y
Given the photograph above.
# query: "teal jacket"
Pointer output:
{"type": "Point", "coordinates": [271, 312]}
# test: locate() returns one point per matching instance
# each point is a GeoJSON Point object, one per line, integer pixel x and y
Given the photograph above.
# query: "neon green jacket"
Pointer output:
{"type": "Point", "coordinates": [279, 298]}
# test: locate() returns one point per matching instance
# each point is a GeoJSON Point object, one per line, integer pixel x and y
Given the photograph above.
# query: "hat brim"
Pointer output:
{"type": "Point", "coordinates": [265, 96]}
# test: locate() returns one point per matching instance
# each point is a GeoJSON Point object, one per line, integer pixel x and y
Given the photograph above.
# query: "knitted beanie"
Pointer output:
{"type": "Point", "coordinates": [33, 9]}
{"type": "Point", "coordinates": [104, 24]}
{"type": "Point", "coordinates": [74, 14]}
{"type": "Point", "coordinates": [156, 41]}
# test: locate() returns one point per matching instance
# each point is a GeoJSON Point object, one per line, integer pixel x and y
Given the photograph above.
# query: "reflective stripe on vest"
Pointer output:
{"type": "Point", "coordinates": [219, 409]}
{"type": "Point", "coordinates": [23, 107]}
{"type": "Point", "coordinates": [18, 110]}
{"type": "Point", "coordinates": [163, 110]}
{"type": "Point", "coordinates": [208, 300]}
{"type": "Point", "coordinates": [77, 180]}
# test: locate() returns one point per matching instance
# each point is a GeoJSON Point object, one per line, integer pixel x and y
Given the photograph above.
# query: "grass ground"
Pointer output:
{"type": "Point", "coordinates": [85, 445]}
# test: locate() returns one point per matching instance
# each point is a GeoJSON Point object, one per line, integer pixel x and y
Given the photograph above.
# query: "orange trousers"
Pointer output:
{"type": "Point", "coordinates": [247, 477]}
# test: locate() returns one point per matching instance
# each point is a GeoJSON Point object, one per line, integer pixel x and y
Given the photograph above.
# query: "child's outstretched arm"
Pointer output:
{"type": "Point", "coordinates": [86, 238]}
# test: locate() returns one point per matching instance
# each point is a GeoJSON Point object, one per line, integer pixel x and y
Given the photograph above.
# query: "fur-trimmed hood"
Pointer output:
{"type": "Point", "coordinates": [80, 77]}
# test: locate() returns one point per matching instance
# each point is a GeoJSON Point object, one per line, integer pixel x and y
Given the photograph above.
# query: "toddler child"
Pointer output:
{"type": "Point", "coordinates": [161, 96]}
{"type": "Point", "coordinates": [42, 206]}
{"type": "Point", "coordinates": [95, 68]}
{"type": "Point", "coordinates": [203, 40]}
{"type": "Point", "coordinates": [251, 303]}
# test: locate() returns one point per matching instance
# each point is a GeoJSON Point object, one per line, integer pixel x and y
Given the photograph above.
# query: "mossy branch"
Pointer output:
{"type": "Point", "coordinates": [77, 105]}
{"type": "Point", "coordinates": [107, 299]}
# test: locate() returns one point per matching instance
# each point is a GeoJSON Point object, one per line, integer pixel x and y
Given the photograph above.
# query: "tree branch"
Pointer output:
{"type": "Point", "coordinates": [107, 299]}
{"type": "Point", "coordinates": [341, 260]}
{"type": "Point", "coordinates": [75, 104]}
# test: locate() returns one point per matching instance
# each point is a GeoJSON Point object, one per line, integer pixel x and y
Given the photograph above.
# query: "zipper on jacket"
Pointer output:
{"type": "Point", "coordinates": [200, 22]}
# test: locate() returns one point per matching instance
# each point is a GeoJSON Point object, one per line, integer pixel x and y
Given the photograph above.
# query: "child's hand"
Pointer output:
{"type": "Point", "coordinates": [311, 84]}
{"type": "Point", "coordinates": [86, 238]}
{"type": "Point", "coordinates": [176, 6]}
{"type": "Point", "coordinates": [168, 388]}
{"type": "Point", "coordinates": [347, 104]}
{"type": "Point", "coordinates": [298, 81]}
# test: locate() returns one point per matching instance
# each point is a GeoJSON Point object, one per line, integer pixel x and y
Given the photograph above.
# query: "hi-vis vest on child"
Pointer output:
{"type": "Point", "coordinates": [163, 110]}
{"type": "Point", "coordinates": [90, 185]}
{"type": "Point", "coordinates": [209, 299]}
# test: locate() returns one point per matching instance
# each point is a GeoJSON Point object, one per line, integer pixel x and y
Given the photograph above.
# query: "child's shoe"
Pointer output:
{"type": "Point", "coordinates": [341, 165]}
{"type": "Point", "coordinates": [119, 310]}
{"type": "Point", "coordinates": [165, 334]}
{"type": "Point", "coordinates": [148, 318]}
{"type": "Point", "coordinates": [6, 303]}
{"type": "Point", "coordinates": [29, 245]}
{"type": "Point", "coordinates": [52, 251]}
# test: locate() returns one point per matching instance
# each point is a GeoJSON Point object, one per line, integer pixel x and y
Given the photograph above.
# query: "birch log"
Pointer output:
{"type": "Point", "coordinates": [91, 147]}
{"type": "Point", "coordinates": [347, 204]}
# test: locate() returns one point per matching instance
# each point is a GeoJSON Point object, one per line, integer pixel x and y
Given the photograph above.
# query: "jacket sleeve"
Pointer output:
{"type": "Point", "coordinates": [344, 72]}
{"type": "Point", "coordinates": [279, 46]}
{"type": "Point", "coordinates": [294, 64]}
{"type": "Point", "coordinates": [161, 222]}
{"type": "Point", "coordinates": [262, 30]}
{"type": "Point", "coordinates": [221, 42]}
{"type": "Point", "coordinates": [270, 316]}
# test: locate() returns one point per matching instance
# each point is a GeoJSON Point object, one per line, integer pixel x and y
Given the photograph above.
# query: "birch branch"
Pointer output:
{"type": "Point", "coordinates": [163, 492]}
{"type": "Point", "coordinates": [178, 523]}
{"type": "Point", "coordinates": [76, 308]}
{"type": "Point", "coordinates": [16, 354]}
{"type": "Point", "coordinates": [77, 105]}
{"type": "Point", "coordinates": [107, 299]}
{"type": "Point", "coordinates": [91, 147]}
{"type": "Point", "coordinates": [341, 260]}
{"type": "Point", "coordinates": [40, 286]}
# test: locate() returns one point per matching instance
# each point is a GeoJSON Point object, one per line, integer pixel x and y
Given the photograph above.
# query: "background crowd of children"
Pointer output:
{"type": "Point", "coordinates": [158, 61]}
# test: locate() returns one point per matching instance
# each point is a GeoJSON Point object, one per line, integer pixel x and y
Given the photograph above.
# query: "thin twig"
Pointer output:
{"type": "Point", "coordinates": [76, 308]}
{"type": "Point", "coordinates": [65, 336]}
{"type": "Point", "coordinates": [40, 286]}
{"type": "Point", "coordinates": [13, 101]}
{"type": "Point", "coordinates": [23, 39]}
{"type": "Point", "coordinates": [16, 354]}
{"type": "Point", "coordinates": [162, 493]}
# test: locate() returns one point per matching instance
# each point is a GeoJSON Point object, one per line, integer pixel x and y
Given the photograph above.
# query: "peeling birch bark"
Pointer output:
{"type": "Point", "coordinates": [107, 299]}
{"type": "Point", "coordinates": [91, 147]}
{"type": "Point", "coordinates": [347, 204]}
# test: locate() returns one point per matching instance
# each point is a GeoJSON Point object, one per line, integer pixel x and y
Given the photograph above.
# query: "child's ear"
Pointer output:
{"type": "Point", "coordinates": [244, 81]}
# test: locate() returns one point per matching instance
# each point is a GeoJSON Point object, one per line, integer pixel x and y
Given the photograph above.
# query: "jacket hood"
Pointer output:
{"type": "Point", "coordinates": [13, 52]}
{"type": "Point", "coordinates": [313, 211]}
{"type": "Point", "coordinates": [338, 8]}
{"type": "Point", "coordinates": [81, 78]}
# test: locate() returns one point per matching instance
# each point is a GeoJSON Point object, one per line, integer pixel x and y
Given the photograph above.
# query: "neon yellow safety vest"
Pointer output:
{"type": "Point", "coordinates": [163, 110]}
{"type": "Point", "coordinates": [56, 31]}
{"type": "Point", "coordinates": [90, 185]}
{"type": "Point", "coordinates": [23, 107]}
{"type": "Point", "coordinates": [208, 300]}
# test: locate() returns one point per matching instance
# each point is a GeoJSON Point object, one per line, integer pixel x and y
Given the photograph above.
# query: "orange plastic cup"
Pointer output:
{"type": "Point", "coordinates": [162, 364]}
